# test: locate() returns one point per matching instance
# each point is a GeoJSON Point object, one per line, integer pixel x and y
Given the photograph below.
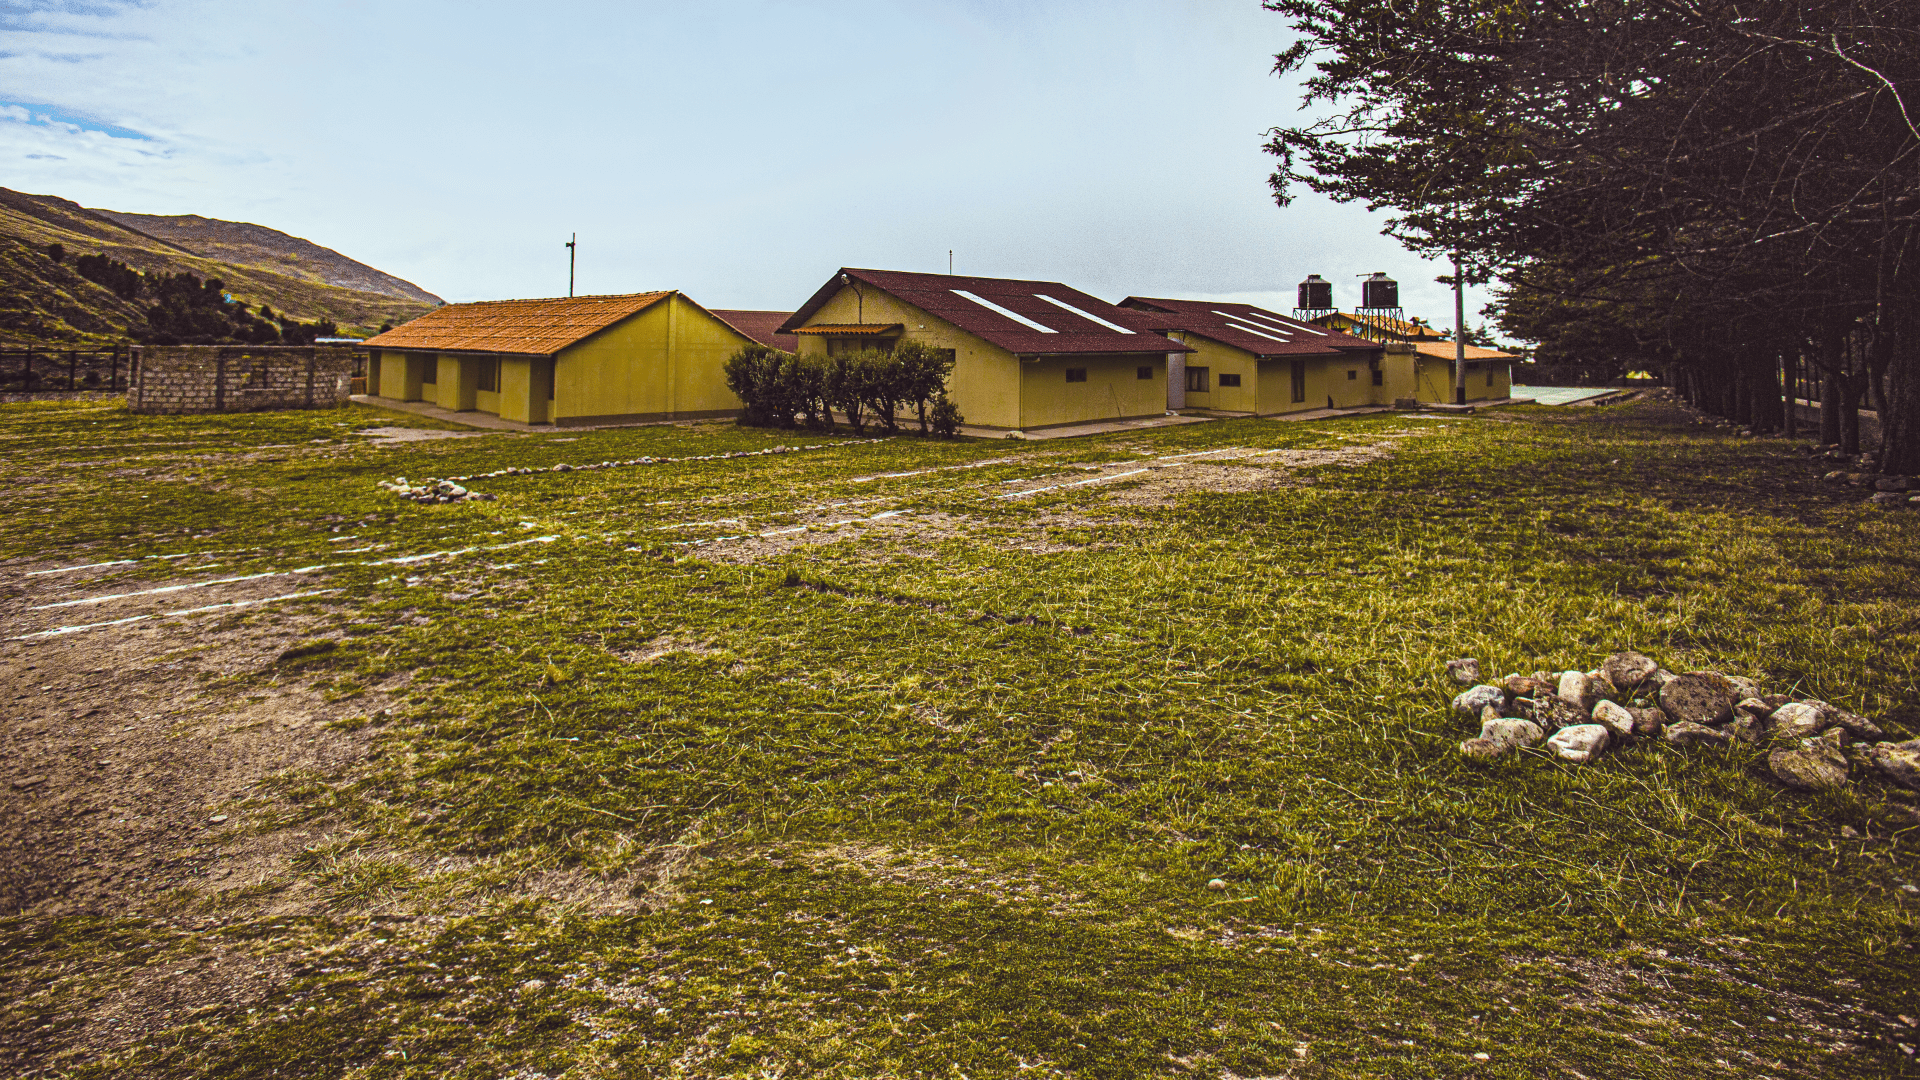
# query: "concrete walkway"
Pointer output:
{"type": "Point", "coordinates": [1564, 395]}
{"type": "Point", "coordinates": [1070, 431]}
{"type": "Point", "coordinates": [478, 420]}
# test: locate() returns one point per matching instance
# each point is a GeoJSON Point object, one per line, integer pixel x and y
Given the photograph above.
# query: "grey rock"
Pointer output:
{"type": "Point", "coordinates": [1857, 726]}
{"type": "Point", "coordinates": [1648, 723]}
{"type": "Point", "coordinates": [1688, 733]}
{"type": "Point", "coordinates": [1513, 731]}
{"type": "Point", "coordinates": [1755, 707]}
{"type": "Point", "coordinates": [1749, 728]}
{"type": "Point", "coordinates": [1584, 689]}
{"type": "Point", "coordinates": [1798, 719]}
{"type": "Point", "coordinates": [1468, 704]}
{"type": "Point", "coordinates": [1627, 670]}
{"type": "Point", "coordinates": [1615, 718]}
{"type": "Point", "coordinates": [1700, 697]}
{"type": "Point", "coordinates": [1744, 689]}
{"type": "Point", "coordinates": [1659, 678]}
{"type": "Point", "coordinates": [1465, 671]}
{"type": "Point", "coordinates": [1818, 766]}
{"type": "Point", "coordinates": [1490, 712]}
{"type": "Point", "coordinates": [1579, 744]}
{"type": "Point", "coordinates": [1485, 748]}
{"type": "Point", "coordinates": [1899, 762]}
{"type": "Point", "coordinates": [1893, 483]}
{"type": "Point", "coordinates": [1837, 476]}
{"type": "Point", "coordinates": [1887, 498]}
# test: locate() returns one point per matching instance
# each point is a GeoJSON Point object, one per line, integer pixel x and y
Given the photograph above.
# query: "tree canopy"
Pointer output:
{"type": "Point", "coordinates": [1706, 186]}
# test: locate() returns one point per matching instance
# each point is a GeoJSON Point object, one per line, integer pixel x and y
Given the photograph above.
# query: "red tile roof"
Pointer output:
{"type": "Point", "coordinates": [1047, 318]}
{"type": "Point", "coordinates": [1243, 326]}
{"type": "Point", "coordinates": [761, 326]}
{"type": "Point", "coordinates": [537, 327]}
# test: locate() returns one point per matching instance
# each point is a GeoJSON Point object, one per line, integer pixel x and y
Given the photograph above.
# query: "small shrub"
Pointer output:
{"type": "Point", "coordinates": [945, 416]}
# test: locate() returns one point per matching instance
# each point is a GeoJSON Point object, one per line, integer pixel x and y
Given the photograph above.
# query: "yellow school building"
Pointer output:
{"type": "Point", "coordinates": [1249, 360]}
{"type": "Point", "coordinates": [1027, 354]}
{"type": "Point", "coordinates": [567, 361]}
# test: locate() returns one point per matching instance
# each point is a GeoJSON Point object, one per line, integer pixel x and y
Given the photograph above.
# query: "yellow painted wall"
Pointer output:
{"type": "Point", "coordinates": [986, 379]}
{"type": "Point", "coordinates": [458, 382]}
{"type": "Point", "coordinates": [393, 374]}
{"type": "Point", "coordinates": [524, 384]}
{"type": "Point", "coordinates": [1435, 380]}
{"type": "Point", "coordinates": [665, 362]}
{"type": "Point", "coordinates": [1220, 359]}
{"type": "Point", "coordinates": [1399, 377]}
{"type": "Point", "coordinates": [1113, 390]}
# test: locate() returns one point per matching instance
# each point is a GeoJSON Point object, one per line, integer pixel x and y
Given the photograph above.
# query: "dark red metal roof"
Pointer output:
{"type": "Point", "coordinates": [761, 326]}
{"type": "Point", "coordinates": [1243, 326]}
{"type": "Point", "coordinates": [1024, 317]}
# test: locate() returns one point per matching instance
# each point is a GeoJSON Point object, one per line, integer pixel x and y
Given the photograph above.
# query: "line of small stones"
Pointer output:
{"type": "Point", "coordinates": [447, 489]}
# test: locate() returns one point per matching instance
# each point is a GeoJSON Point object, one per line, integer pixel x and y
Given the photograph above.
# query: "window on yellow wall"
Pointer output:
{"type": "Point", "coordinates": [1352, 374]}
{"type": "Point", "coordinates": [1299, 380]}
{"type": "Point", "coordinates": [489, 380]}
{"type": "Point", "coordinates": [1489, 376]}
{"type": "Point", "coordinates": [432, 375]}
{"type": "Point", "coordinates": [1197, 380]}
{"type": "Point", "coordinates": [1076, 374]}
{"type": "Point", "coordinates": [1379, 377]}
{"type": "Point", "coordinates": [1229, 380]}
{"type": "Point", "coordinates": [1143, 373]}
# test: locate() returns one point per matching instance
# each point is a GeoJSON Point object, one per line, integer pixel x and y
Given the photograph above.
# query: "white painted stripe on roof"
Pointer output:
{"type": "Point", "coordinates": [1014, 315]}
{"type": "Point", "coordinates": [1269, 320]}
{"type": "Point", "coordinates": [1256, 333]}
{"type": "Point", "coordinates": [1063, 305]}
{"type": "Point", "coordinates": [1246, 319]}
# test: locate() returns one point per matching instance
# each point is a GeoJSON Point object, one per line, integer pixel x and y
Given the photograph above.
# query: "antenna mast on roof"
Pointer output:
{"type": "Point", "coordinates": [949, 262]}
{"type": "Point", "coordinates": [571, 246]}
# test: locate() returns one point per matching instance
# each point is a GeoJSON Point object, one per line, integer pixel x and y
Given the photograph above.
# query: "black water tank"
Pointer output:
{"type": "Point", "coordinates": [1379, 291]}
{"type": "Point", "coordinates": [1316, 293]}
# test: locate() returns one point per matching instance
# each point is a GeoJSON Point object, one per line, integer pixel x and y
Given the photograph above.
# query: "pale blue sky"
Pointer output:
{"type": "Point", "coordinates": [738, 151]}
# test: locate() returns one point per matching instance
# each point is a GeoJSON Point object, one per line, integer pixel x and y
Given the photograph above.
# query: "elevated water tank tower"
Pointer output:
{"type": "Point", "coordinates": [1315, 298]}
{"type": "Point", "coordinates": [1380, 309]}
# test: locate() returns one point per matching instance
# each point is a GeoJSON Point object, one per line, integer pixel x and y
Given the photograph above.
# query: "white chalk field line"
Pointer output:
{"type": "Point", "coordinates": [63, 630]}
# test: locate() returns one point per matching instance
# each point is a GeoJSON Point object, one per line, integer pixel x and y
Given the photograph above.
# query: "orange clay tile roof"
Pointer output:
{"type": "Point", "coordinates": [1444, 350]}
{"type": "Point", "coordinates": [852, 329]}
{"type": "Point", "coordinates": [538, 327]}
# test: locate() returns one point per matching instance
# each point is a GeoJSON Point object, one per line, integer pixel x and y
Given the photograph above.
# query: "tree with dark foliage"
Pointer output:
{"type": "Point", "coordinates": [1740, 181]}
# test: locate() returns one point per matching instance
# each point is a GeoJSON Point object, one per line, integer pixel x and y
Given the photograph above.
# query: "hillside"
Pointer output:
{"type": "Point", "coordinates": [242, 244]}
{"type": "Point", "coordinates": [44, 302]}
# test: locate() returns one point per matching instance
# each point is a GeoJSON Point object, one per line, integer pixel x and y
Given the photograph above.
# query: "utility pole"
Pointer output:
{"type": "Point", "coordinates": [572, 245]}
{"type": "Point", "coordinates": [949, 262]}
{"type": "Point", "coordinates": [1459, 334]}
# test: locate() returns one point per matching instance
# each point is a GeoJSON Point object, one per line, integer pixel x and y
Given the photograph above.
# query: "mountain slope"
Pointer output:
{"type": "Point", "coordinates": [242, 244]}
{"type": "Point", "coordinates": [43, 302]}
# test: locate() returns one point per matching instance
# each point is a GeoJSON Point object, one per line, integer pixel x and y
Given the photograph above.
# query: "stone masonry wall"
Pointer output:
{"type": "Point", "coordinates": [239, 378]}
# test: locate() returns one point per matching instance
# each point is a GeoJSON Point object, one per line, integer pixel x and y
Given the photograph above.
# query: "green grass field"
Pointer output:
{"type": "Point", "coordinates": [932, 780]}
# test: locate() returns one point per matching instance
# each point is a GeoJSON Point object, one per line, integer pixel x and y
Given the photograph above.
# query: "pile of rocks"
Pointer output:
{"type": "Point", "coordinates": [1579, 715]}
{"type": "Point", "coordinates": [433, 491]}
{"type": "Point", "coordinates": [1887, 487]}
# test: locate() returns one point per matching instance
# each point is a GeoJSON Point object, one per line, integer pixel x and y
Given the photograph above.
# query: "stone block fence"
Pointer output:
{"type": "Point", "coordinates": [240, 378]}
